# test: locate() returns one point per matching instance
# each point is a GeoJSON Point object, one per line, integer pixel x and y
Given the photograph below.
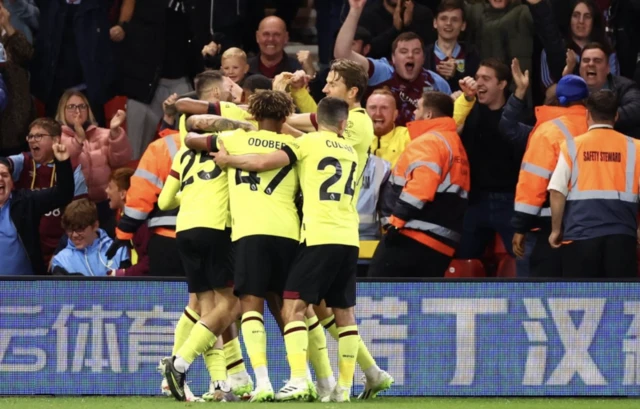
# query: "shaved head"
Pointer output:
{"type": "Point", "coordinates": [271, 23]}
{"type": "Point", "coordinates": [272, 37]}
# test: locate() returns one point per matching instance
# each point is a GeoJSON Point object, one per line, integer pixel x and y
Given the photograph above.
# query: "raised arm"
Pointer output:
{"type": "Point", "coordinates": [347, 32]}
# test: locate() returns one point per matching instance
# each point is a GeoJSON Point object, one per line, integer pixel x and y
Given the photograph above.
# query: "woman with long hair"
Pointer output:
{"type": "Point", "coordinates": [586, 25]}
{"type": "Point", "coordinates": [97, 150]}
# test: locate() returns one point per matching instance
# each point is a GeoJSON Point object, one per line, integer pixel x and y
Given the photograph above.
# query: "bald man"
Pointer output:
{"type": "Point", "coordinates": [272, 37]}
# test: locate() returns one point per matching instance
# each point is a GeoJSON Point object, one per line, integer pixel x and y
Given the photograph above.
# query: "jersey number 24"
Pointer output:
{"type": "Point", "coordinates": [349, 188]}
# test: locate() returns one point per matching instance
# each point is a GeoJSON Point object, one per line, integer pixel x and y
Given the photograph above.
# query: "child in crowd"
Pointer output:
{"type": "Point", "coordinates": [86, 249]}
{"type": "Point", "coordinates": [234, 65]}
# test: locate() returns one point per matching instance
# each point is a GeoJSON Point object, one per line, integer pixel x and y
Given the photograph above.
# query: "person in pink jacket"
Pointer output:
{"type": "Point", "coordinates": [98, 150]}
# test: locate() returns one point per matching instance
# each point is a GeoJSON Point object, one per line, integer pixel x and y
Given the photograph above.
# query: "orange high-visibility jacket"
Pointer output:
{"type": "Point", "coordinates": [554, 125]}
{"type": "Point", "coordinates": [146, 185]}
{"type": "Point", "coordinates": [602, 197]}
{"type": "Point", "coordinates": [427, 193]}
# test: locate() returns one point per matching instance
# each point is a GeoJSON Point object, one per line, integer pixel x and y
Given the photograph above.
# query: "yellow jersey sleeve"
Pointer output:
{"type": "Point", "coordinates": [327, 165]}
{"type": "Point", "coordinates": [359, 133]}
{"type": "Point", "coordinates": [232, 111]}
{"type": "Point", "coordinates": [204, 200]}
{"type": "Point", "coordinates": [261, 203]}
{"type": "Point", "coordinates": [168, 199]}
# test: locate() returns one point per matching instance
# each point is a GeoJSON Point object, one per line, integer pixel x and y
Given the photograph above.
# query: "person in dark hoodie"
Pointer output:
{"type": "Point", "coordinates": [502, 29]}
{"type": "Point", "coordinates": [20, 213]}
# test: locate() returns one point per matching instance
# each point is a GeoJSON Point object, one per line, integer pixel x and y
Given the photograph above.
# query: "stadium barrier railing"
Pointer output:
{"type": "Point", "coordinates": [491, 337]}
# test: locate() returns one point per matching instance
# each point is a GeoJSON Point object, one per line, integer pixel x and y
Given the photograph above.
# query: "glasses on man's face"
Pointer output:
{"type": "Point", "coordinates": [36, 137]}
{"type": "Point", "coordinates": [78, 231]}
{"type": "Point", "coordinates": [73, 107]}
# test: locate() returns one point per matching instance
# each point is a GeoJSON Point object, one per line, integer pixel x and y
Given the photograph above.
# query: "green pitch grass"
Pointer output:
{"type": "Point", "coordinates": [383, 403]}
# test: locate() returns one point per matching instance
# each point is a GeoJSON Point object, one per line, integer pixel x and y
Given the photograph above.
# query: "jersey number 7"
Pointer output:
{"type": "Point", "coordinates": [349, 189]}
{"type": "Point", "coordinates": [254, 180]}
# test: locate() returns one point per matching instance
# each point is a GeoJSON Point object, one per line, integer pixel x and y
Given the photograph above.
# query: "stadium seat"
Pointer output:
{"type": "Point", "coordinates": [506, 267]}
{"type": "Point", "coordinates": [112, 106]}
{"type": "Point", "coordinates": [367, 248]}
{"type": "Point", "coordinates": [465, 269]}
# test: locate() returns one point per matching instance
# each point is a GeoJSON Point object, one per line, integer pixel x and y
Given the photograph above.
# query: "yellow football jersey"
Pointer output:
{"type": "Point", "coordinates": [359, 133]}
{"type": "Point", "coordinates": [232, 111]}
{"type": "Point", "coordinates": [261, 202]}
{"type": "Point", "coordinates": [327, 166]}
{"type": "Point", "coordinates": [204, 196]}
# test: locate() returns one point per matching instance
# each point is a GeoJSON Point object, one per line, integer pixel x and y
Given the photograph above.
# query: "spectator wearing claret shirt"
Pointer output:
{"type": "Point", "coordinates": [272, 37]}
{"type": "Point", "coordinates": [98, 150]}
{"type": "Point", "coordinates": [36, 170]}
{"type": "Point", "coordinates": [390, 139]}
{"type": "Point", "coordinates": [390, 18]}
{"type": "Point", "coordinates": [404, 76]}
{"type": "Point", "coordinates": [448, 57]}
{"type": "Point", "coordinates": [119, 184]}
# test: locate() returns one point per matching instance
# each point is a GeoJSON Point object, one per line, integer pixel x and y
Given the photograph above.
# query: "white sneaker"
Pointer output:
{"type": "Point", "coordinates": [378, 383]}
{"type": "Point", "coordinates": [164, 387]}
{"type": "Point", "coordinates": [338, 394]}
{"type": "Point", "coordinates": [189, 396]}
{"type": "Point", "coordinates": [294, 390]}
{"type": "Point", "coordinates": [263, 393]}
{"type": "Point", "coordinates": [324, 391]}
{"type": "Point", "coordinates": [241, 385]}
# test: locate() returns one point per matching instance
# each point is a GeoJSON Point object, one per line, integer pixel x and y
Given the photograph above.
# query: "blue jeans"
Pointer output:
{"type": "Point", "coordinates": [484, 218]}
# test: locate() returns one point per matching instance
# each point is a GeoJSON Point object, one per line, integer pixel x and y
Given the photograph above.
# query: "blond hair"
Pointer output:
{"type": "Point", "coordinates": [234, 52]}
{"type": "Point", "coordinates": [64, 99]}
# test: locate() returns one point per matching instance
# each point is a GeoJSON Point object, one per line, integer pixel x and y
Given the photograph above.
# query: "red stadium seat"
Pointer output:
{"type": "Point", "coordinates": [112, 106]}
{"type": "Point", "coordinates": [465, 269]}
{"type": "Point", "coordinates": [506, 267]}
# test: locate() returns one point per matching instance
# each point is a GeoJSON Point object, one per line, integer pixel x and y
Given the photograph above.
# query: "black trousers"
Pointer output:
{"type": "Point", "coordinates": [164, 259]}
{"type": "Point", "coordinates": [545, 261]}
{"type": "Point", "coordinates": [407, 258]}
{"type": "Point", "coordinates": [611, 256]}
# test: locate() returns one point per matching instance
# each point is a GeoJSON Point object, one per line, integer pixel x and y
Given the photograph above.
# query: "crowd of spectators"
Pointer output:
{"type": "Point", "coordinates": [63, 63]}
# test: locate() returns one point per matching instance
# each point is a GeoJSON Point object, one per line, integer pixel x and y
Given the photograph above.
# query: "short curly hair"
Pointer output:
{"type": "Point", "coordinates": [268, 104]}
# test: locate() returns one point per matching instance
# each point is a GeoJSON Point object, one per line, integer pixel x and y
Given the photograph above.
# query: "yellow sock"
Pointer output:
{"type": "Point", "coordinates": [348, 343]}
{"type": "Point", "coordinates": [216, 364]}
{"type": "Point", "coordinates": [364, 359]}
{"type": "Point", "coordinates": [318, 354]}
{"type": "Point", "coordinates": [200, 339]}
{"type": "Point", "coordinates": [296, 340]}
{"type": "Point", "coordinates": [255, 338]}
{"type": "Point", "coordinates": [233, 357]}
{"type": "Point", "coordinates": [185, 324]}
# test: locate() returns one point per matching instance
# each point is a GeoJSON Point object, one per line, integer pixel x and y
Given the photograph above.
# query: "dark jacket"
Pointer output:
{"type": "Point", "coordinates": [142, 51]}
{"type": "Point", "coordinates": [628, 94]}
{"type": "Point", "coordinates": [287, 64]}
{"type": "Point", "coordinates": [95, 52]}
{"type": "Point", "coordinates": [471, 64]}
{"type": "Point", "coordinates": [380, 24]}
{"type": "Point", "coordinates": [504, 34]}
{"type": "Point", "coordinates": [626, 32]}
{"type": "Point", "coordinates": [20, 111]}
{"type": "Point", "coordinates": [28, 206]}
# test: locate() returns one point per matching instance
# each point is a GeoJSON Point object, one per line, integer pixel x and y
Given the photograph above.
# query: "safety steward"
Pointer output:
{"type": "Point", "coordinates": [594, 197]}
{"type": "Point", "coordinates": [426, 196]}
{"type": "Point", "coordinates": [555, 124]}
